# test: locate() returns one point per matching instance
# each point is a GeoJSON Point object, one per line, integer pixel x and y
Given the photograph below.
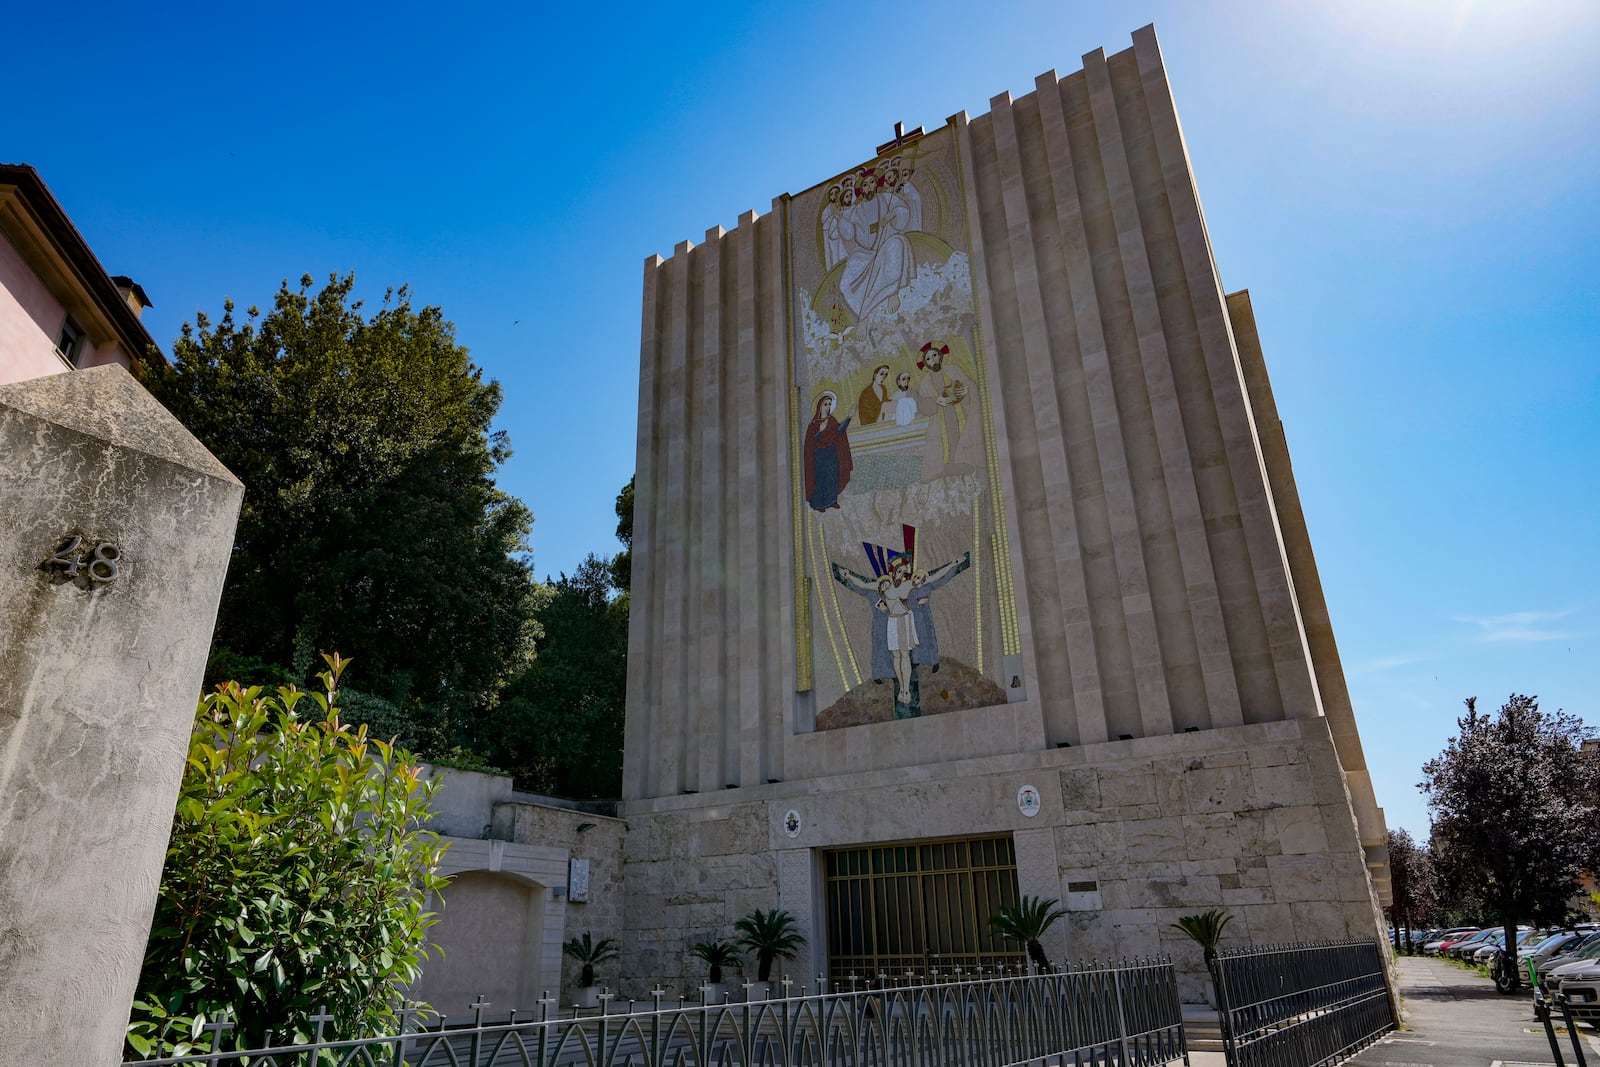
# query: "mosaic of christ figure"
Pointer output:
{"type": "Point", "coordinates": [903, 633]}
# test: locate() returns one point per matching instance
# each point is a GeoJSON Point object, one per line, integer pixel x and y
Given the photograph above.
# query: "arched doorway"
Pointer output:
{"type": "Point", "coordinates": [492, 932]}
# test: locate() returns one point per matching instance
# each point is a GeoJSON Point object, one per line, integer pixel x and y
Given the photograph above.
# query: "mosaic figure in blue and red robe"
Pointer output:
{"type": "Point", "coordinates": [827, 455]}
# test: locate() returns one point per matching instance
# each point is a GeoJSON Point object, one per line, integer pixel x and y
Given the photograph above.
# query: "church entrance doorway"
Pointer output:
{"type": "Point", "coordinates": [918, 907]}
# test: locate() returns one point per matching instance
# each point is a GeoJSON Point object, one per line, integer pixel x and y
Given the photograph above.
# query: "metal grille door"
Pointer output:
{"type": "Point", "coordinates": [917, 908]}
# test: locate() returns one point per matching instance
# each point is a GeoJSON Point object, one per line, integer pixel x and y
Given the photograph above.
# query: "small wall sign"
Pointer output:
{"type": "Point", "coordinates": [578, 881]}
{"type": "Point", "coordinates": [791, 823]}
{"type": "Point", "coordinates": [1028, 801]}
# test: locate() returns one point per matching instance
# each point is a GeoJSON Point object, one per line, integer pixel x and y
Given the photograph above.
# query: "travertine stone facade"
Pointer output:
{"type": "Point", "coordinates": [1178, 700]}
{"type": "Point", "coordinates": [1255, 819]}
{"type": "Point", "coordinates": [510, 903]}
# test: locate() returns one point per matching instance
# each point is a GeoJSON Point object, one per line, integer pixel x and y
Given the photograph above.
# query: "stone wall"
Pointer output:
{"type": "Point", "coordinates": [1255, 819]}
{"type": "Point", "coordinates": [600, 844]}
{"type": "Point", "coordinates": [508, 909]}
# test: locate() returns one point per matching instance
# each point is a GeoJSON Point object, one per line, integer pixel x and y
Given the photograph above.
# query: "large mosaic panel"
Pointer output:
{"type": "Point", "coordinates": [904, 602]}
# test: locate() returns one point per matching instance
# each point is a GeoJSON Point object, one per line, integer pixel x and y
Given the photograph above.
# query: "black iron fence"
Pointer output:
{"type": "Point", "coordinates": [1302, 1005]}
{"type": "Point", "coordinates": [1124, 1016]}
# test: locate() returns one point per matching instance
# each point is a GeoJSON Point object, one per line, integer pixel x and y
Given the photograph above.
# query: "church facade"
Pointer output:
{"type": "Point", "coordinates": [968, 565]}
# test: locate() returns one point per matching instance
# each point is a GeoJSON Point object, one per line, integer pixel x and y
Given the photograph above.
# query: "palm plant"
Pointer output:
{"type": "Point", "coordinates": [770, 935]}
{"type": "Point", "coordinates": [716, 954]}
{"type": "Point", "coordinates": [588, 953]}
{"type": "Point", "coordinates": [1205, 930]}
{"type": "Point", "coordinates": [1027, 922]}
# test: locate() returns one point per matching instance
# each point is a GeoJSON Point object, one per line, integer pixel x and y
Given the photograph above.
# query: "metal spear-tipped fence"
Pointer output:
{"type": "Point", "coordinates": [1089, 1016]}
{"type": "Point", "coordinates": [1302, 1005]}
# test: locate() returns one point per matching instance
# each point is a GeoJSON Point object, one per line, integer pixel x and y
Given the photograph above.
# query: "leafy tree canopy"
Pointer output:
{"type": "Point", "coordinates": [1413, 887]}
{"type": "Point", "coordinates": [558, 728]}
{"type": "Point", "coordinates": [371, 521]}
{"type": "Point", "coordinates": [1516, 809]}
{"type": "Point", "coordinates": [622, 562]}
{"type": "Point", "coordinates": [295, 877]}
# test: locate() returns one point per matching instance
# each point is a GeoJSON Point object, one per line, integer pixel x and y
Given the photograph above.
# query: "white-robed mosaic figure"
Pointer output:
{"type": "Point", "coordinates": [903, 635]}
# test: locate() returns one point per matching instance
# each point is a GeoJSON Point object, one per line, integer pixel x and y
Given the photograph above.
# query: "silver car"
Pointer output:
{"type": "Point", "coordinates": [1552, 946]}
{"type": "Point", "coordinates": [1580, 989]}
{"type": "Point", "coordinates": [1544, 992]}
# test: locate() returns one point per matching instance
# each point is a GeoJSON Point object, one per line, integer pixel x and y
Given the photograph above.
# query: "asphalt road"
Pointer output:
{"type": "Point", "coordinates": [1456, 1019]}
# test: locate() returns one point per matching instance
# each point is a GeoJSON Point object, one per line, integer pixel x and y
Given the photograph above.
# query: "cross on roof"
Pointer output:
{"type": "Point", "coordinates": [901, 137]}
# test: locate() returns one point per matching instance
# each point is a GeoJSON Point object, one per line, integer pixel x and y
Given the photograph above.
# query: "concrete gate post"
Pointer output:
{"type": "Point", "coordinates": [115, 531]}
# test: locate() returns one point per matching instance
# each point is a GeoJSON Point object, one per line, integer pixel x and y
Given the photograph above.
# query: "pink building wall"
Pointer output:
{"type": "Point", "coordinates": [32, 309]}
{"type": "Point", "coordinates": [30, 320]}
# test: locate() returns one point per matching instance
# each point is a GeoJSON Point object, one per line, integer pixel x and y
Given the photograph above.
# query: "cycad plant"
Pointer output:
{"type": "Point", "coordinates": [1027, 922]}
{"type": "Point", "coordinates": [588, 953]}
{"type": "Point", "coordinates": [716, 954]}
{"type": "Point", "coordinates": [1205, 930]}
{"type": "Point", "coordinates": [770, 935]}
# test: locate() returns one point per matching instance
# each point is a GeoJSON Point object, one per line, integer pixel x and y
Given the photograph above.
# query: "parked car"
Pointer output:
{"type": "Point", "coordinates": [1544, 992]}
{"type": "Point", "coordinates": [1496, 942]}
{"type": "Point", "coordinates": [1455, 950]}
{"type": "Point", "coordinates": [1554, 945]}
{"type": "Point", "coordinates": [1448, 938]}
{"type": "Point", "coordinates": [1580, 989]}
{"type": "Point", "coordinates": [1420, 938]}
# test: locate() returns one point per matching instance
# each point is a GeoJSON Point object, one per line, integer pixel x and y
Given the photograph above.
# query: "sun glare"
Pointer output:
{"type": "Point", "coordinates": [1458, 27]}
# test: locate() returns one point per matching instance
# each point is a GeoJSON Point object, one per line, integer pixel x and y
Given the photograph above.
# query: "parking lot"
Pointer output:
{"type": "Point", "coordinates": [1454, 1018]}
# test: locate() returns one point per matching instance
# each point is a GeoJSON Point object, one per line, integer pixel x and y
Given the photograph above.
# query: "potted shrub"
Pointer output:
{"type": "Point", "coordinates": [771, 935]}
{"type": "Point", "coordinates": [1205, 930]}
{"type": "Point", "coordinates": [715, 954]}
{"type": "Point", "coordinates": [588, 953]}
{"type": "Point", "coordinates": [1026, 922]}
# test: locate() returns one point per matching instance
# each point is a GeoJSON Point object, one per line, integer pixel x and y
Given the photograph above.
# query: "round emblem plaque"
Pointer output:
{"type": "Point", "coordinates": [791, 823]}
{"type": "Point", "coordinates": [1028, 801]}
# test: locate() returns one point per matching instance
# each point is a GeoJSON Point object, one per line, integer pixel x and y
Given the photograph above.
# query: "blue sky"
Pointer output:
{"type": "Point", "coordinates": [1410, 190]}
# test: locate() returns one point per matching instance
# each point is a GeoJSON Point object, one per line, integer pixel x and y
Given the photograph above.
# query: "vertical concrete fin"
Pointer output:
{"type": "Point", "coordinates": [1295, 693]}
{"type": "Point", "coordinates": [1057, 722]}
{"type": "Point", "coordinates": [1041, 367]}
{"type": "Point", "coordinates": [643, 705]}
{"type": "Point", "coordinates": [1307, 581]}
{"type": "Point", "coordinates": [708, 632]}
{"type": "Point", "coordinates": [673, 513]}
{"type": "Point", "coordinates": [747, 354]}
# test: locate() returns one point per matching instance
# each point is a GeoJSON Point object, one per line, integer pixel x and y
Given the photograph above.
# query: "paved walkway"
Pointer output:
{"type": "Point", "coordinates": [1456, 1019]}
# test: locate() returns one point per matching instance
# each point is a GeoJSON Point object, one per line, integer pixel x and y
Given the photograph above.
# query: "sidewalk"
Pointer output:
{"type": "Point", "coordinates": [1457, 1019]}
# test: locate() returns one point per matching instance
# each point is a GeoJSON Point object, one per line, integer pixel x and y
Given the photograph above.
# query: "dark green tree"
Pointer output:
{"type": "Point", "coordinates": [622, 562]}
{"type": "Point", "coordinates": [1516, 810]}
{"type": "Point", "coordinates": [558, 728]}
{"type": "Point", "coordinates": [371, 520]}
